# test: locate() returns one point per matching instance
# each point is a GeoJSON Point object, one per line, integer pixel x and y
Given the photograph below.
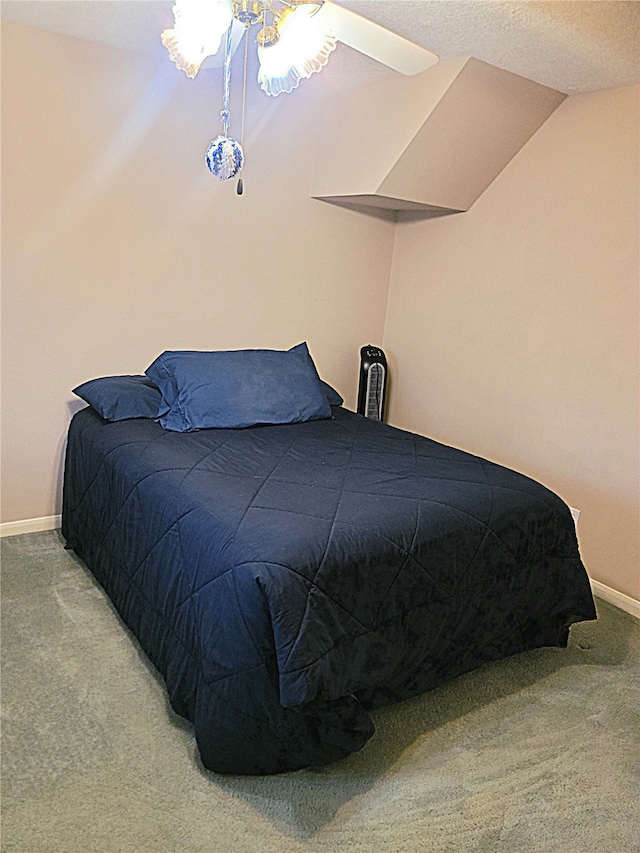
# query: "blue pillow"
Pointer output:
{"type": "Point", "coordinates": [117, 398]}
{"type": "Point", "coordinates": [240, 388]}
{"type": "Point", "coordinates": [333, 398]}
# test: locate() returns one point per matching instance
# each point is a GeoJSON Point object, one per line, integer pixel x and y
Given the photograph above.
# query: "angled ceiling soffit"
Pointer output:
{"type": "Point", "coordinates": [427, 145]}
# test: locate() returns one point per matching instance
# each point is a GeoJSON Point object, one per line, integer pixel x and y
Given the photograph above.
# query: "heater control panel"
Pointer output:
{"type": "Point", "coordinates": [372, 352]}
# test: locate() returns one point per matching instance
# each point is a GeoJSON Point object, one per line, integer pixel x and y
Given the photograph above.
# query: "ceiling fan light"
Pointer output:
{"type": "Point", "coordinates": [302, 49]}
{"type": "Point", "coordinates": [199, 28]}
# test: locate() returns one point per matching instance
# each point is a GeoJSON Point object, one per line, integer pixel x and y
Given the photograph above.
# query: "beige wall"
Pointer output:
{"type": "Point", "coordinates": [513, 328]}
{"type": "Point", "coordinates": [118, 243]}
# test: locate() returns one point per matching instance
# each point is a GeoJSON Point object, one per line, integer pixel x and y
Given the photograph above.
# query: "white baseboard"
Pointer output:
{"type": "Point", "coordinates": [618, 599]}
{"type": "Point", "coordinates": [30, 525]}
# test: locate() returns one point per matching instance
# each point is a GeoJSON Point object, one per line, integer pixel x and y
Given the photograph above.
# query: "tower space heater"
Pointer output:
{"type": "Point", "coordinates": [373, 383]}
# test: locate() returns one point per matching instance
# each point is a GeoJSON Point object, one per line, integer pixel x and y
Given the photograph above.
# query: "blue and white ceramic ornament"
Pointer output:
{"type": "Point", "coordinates": [224, 157]}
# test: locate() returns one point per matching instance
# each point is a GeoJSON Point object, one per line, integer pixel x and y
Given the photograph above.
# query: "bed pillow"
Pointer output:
{"type": "Point", "coordinates": [333, 398]}
{"type": "Point", "coordinates": [117, 398]}
{"type": "Point", "coordinates": [239, 388]}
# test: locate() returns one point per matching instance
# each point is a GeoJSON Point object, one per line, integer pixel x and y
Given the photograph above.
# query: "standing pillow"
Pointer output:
{"type": "Point", "coordinates": [240, 388]}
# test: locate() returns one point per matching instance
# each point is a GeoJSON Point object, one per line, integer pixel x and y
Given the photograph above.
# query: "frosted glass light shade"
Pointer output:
{"type": "Point", "coordinates": [199, 28]}
{"type": "Point", "coordinates": [302, 50]}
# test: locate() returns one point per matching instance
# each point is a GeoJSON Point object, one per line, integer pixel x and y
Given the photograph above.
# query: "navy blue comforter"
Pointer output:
{"type": "Point", "coordinates": [284, 580]}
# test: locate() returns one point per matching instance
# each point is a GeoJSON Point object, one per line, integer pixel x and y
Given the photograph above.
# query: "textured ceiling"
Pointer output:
{"type": "Point", "coordinates": [570, 45]}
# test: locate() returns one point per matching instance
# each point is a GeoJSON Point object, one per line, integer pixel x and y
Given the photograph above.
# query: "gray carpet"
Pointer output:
{"type": "Point", "coordinates": [536, 754]}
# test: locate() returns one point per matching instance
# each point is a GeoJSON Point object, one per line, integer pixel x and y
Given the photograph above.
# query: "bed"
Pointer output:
{"type": "Point", "coordinates": [287, 579]}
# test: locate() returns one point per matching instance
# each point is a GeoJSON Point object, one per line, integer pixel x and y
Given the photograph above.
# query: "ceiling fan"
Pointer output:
{"type": "Point", "coordinates": [294, 40]}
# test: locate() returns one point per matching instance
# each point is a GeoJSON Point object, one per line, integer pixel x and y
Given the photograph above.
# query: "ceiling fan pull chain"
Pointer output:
{"type": "Point", "coordinates": [227, 82]}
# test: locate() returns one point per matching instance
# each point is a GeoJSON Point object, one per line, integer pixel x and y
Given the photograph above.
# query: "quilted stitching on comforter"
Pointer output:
{"type": "Point", "coordinates": [285, 579]}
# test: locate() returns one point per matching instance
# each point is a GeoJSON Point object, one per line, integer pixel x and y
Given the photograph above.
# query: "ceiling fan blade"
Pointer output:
{"type": "Point", "coordinates": [375, 41]}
